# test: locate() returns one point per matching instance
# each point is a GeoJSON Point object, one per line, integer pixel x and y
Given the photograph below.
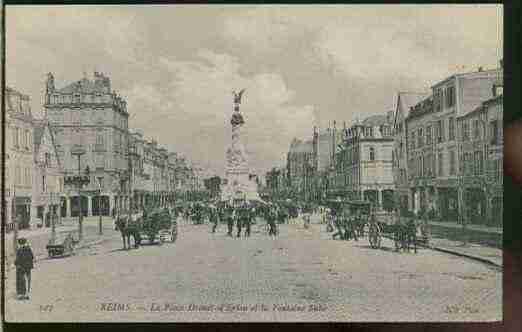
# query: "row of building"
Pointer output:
{"type": "Point", "coordinates": [439, 152]}
{"type": "Point", "coordinates": [84, 131]}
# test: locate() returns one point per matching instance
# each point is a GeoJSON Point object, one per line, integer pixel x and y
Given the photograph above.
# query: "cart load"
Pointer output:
{"type": "Point", "coordinates": [159, 224]}
{"type": "Point", "coordinates": [61, 245]}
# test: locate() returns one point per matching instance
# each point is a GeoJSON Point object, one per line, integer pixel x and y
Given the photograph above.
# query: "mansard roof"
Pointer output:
{"type": "Point", "coordinates": [82, 86]}
{"type": "Point", "coordinates": [375, 120]}
{"type": "Point", "coordinates": [299, 146]}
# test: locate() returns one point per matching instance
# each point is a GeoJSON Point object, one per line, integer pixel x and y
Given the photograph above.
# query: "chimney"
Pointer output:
{"type": "Point", "coordinates": [480, 69]}
{"type": "Point", "coordinates": [502, 63]}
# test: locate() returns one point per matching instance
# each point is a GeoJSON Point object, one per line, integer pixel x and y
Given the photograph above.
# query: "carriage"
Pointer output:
{"type": "Point", "coordinates": [358, 216]}
{"type": "Point", "coordinates": [364, 218]}
{"type": "Point", "coordinates": [361, 217]}
{"type": "Point", "coordinates": [159, 224]}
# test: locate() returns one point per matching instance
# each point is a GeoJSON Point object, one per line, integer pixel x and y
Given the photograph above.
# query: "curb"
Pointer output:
{"type": "Point", "coordinates": [460, 254]}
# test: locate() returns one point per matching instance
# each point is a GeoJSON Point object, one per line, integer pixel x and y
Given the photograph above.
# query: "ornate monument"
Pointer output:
{"type": "Point", "coordinates": [239, 185]}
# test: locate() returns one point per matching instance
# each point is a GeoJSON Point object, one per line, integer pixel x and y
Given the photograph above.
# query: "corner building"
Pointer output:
{"type": "Point", "coordinates": [366, 160]}
{"type": "Point", "coordinates": [89, 114]}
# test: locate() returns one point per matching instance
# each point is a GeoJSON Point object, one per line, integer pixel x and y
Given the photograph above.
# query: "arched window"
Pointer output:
{"type": "Point", "coordinates": [372, 153]}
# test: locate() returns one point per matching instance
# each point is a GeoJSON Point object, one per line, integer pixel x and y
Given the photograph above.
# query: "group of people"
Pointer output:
{"type": "Point", "coordinates": [240, 215]}
{"type": "Point", "coordinates": [347, 226]}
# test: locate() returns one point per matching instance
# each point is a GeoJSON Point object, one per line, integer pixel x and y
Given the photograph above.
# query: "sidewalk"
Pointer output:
{"type": "Point", "coordinates": [39, 238]}
{"type": "Point", "coordinates": [478, 228]}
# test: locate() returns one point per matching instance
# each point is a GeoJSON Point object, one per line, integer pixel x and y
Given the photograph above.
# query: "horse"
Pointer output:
{"type": "Point", "coordinates": [405, 235]}
{"type": "Point", "coordinates": [128, 229]}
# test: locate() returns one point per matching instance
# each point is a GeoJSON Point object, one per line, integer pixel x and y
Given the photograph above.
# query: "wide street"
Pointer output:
{"type": "Point", "coordinates": [302, 275]}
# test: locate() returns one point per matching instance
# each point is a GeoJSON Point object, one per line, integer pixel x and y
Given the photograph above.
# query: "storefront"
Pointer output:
{"type": "Point", "coordinates": [447, 203]}
{"type": "Point", "coordinates": [23, 211]}
{"type": "Point", "coordinates": [475, 204]}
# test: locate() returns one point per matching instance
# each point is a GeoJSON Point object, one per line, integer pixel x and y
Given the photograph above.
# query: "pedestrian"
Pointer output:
{"type": "Point", "coordinates": [328, 217]}
{"type": "Point", "coordinates": [24, 262]}
{"type": "Point", "coordinates": [337, 224]}
{"type": "Point", "coordinates": [229, 218]}
{"type": "Point", "coordinates": [238, 216]}
{"type": "Point", "coordinates": [249, 216]}
{"type": "Point", "coordinates": [271, 220]}
{"type": "Point", "coordinates": [47, 219]}
{"type": "Point", "coordinates": [214, 219]}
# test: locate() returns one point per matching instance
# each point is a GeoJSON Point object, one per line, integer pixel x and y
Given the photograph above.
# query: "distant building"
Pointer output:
{"type": "Point", "coordinates": [213, 186]}
{"type": "Point", "coordinates": [364, 167]}
{"type": "Point", "coordinates": [275, 181]}
{"type": "Point", "coordinates": [405, 103]}
{"type": "Point", "coordinates": [300, 168]}
{"type": "Point", "coordinates": [87, 113]}
{"type": "Point", "coordinates": [19, 157]}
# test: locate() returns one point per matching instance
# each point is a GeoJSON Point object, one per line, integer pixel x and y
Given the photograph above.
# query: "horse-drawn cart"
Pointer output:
{"type": "Point", "coordinates": [364, 217]}
{"type": "Point", "coordinates": [159, 224]}
{"type": "Point", "coordinates": [61, 245]}
{"type": "Point", "coordinates": [355, 218]}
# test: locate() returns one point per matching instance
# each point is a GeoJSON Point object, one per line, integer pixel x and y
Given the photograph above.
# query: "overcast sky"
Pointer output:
{"type": "Point", "coordinates": [301, 65]}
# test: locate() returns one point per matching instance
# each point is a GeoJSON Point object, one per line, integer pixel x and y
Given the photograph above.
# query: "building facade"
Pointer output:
{"type": "Point", "coordinates": [405, 103]}
{"type": "Point", "coordinates": [422, 138]}
{"type": "Point", "coordinates": [481, 174]}
{"type": "Point", "coordinates": [433, 149]}
{"type": "Point", "coordinates": [300, 168]}
{"type": "Point", "coordinates": [87, 115]}
{"type": "Point", "coordinates": [365, 162]}
{"type": "Point", "coordinates": [19, 158]}
{"type": "Point", "coordinates": [47, 176]}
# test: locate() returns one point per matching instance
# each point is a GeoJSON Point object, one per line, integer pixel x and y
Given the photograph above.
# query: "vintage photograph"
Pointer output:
{"type": "Point", "coordinates": [253, 163]}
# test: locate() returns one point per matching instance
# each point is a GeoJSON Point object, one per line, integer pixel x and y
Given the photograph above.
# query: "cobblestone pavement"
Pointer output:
{"type": "Point", "coordinates": [302, 275]}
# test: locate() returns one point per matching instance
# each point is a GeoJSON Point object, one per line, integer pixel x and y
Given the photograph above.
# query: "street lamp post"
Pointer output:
{"type": "Point", "coordinates": [53, 221]}
{"type": "Point", "coordinates": [78, 151]}
{"type": "Point", "coordinates": [99, 176]}
{"type": "Point", "coordinates": [15, 220]}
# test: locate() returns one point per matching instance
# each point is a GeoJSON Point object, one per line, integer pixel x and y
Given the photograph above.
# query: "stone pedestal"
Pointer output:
{"type": "Point", "coordinates": [237, 173]}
